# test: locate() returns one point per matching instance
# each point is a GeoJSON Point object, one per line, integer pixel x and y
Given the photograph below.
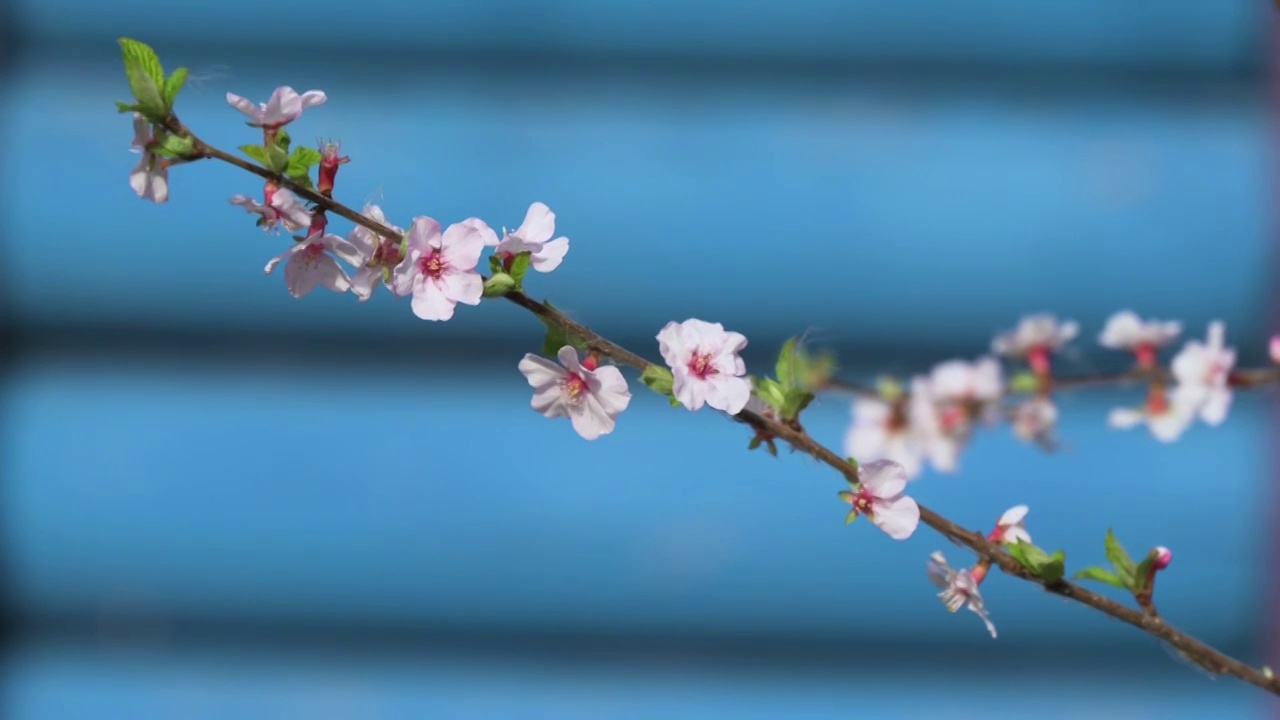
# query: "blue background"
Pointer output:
{"type": "Point", "coordinates": [221, 501]}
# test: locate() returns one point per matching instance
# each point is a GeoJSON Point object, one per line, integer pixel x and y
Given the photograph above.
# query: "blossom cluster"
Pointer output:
{"type": "Point", "coordinates": [893, 437]}
{"type": "Point", "coordinates": [930, 421]}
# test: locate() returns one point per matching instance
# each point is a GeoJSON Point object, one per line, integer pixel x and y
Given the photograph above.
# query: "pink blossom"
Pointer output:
{"type": "Point", "coordinates": [705, 365]}
{"type": "Point", "coordinates": [309, 264]}
{"type": "Point", "coordinates": [959, 588]}
{"type": "Point", "coordinates": [284, 106]}
{"type": "Point", "coordinates": [591, 397]}
{"type": "Point", "coordinates": [533, 236]}
{"type": "Point", "coordinates": [1126, 331]}
{"type": "Point", "coordinates": [1035, 420]}
{"type": "Point", "coordinates": [879, 496]}
{"type": "Point", "coordinates": [282, 208]}
{"type": "Point", "coordinates": [940, 447]}
{"type": "Point", "coordinates": [980, 381]}
{"type": "Point", "coordinates": [1202, 371]}
{"type": "Point", "coordinates": [1167, 415]}
{"type": "Point", "coordinates": [1011, 528]}
{"type": "Point", "coordinates": [881, 431]}
{"type": "Point", "coordinates": [377, 254]}
{"type": "Point", "coordinates": [439, 269]}
{"type": "Point", "coordinates": [150, 177]}
{"type": "Point", "coordinates": [1274, 349]}
{"type": "Point", "coordinates": [1164, 556]}
{"type": "Point", "coordinates": [1035, 338]}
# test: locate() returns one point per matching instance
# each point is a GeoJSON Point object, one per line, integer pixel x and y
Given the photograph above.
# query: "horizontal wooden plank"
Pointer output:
{"type": "Point", "coordinates": [1211, 34]}
{"type": "Point", "coordinates": [864, 211]}
{"type": "Point", "coordinates": [444, 500]}
{"type": "Point", "coordinates": [55, 683]}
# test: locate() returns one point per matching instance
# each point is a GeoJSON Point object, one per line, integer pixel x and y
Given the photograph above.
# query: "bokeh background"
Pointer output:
{"type": "Point", "coordinates": [219, 501]}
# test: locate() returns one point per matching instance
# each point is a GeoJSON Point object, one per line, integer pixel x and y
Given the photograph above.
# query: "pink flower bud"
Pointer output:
{"type": "Point", "coordinates": [1164, 556]}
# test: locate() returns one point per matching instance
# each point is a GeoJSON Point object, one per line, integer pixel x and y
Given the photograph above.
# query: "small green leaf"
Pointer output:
{"type": "Point", "coordinates": [1119, 558]}
{"type": "Point", "coordinates": [498, 285]}
{"type": "Point", "coordinates": [495, 264]}
{"type": "Point", "coordinates": [794, 402]}
{"type": "Point", "coordinates": [127, 107]}
{"type": "Point", "coordinates": [302, 179]}
{"type": "Point", "coordinates": [658, 379]}
{"type": "Point", "coordinates": [146, 76]}
{"type": "Point", "coordinates": [889, 389]}
{"type": "Point", "coordinates": [283, 139]}
{"type": "Point", "coordinates": [277, 159]}
{"type": "Point", "coordinates": [172, 85]}
{"type": "Point", "coordinates": [304, 157]}
{"type": "Point", "coordinates": [755, 442]}
{"type": "Point", "coordinates": [813, 371]}
{"type": "Point", "coordinates": [771, 393]}
{"type": "Point", "coordinates": [1024, 382]}
{"type": "Point", "coordinates": [520, 266]}
{"type": "Point", "coordinates": [1101, 575]}
{"type": "Point", "coordinates": [785, 367]}
{"type": "Point", "coordinates": [257, 152]}
{"type": "Point", "coordinates": [1049, 568]}
{"type": "Point", "coordinates": [1053, 570]}
{"type": "Point", "coordinates": [174, 146]}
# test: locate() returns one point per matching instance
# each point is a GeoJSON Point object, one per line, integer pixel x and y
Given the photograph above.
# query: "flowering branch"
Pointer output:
{"type": "Point", "coordinates": [700, 360]}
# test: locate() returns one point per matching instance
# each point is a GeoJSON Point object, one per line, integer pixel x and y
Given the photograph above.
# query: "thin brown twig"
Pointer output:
{"type": "Point", "coordinates": [1198, 652]}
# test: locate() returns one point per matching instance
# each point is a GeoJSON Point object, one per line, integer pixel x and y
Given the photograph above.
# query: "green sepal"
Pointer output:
{"type": "Point", "coordinates": [498, 285]}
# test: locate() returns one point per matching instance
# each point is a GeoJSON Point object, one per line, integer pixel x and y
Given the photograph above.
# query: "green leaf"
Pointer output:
{"type": "Point", "coordinates": [499, 285]}
{"type": "Point", "coordinates": [1049, 568]}
{"type": "Point", "coordinates": [1101, 575]}
{"type": "Point", "coordinates": [771, 393]}
{"type": "Point", "coordinates": [813, 371]}
{"type": "Point", "coordinates": [795, 401]}
{"type": "Point", "coordinates": [1024, 382]}
{"type": "Point", "coordinates": [283, 139]}
{"type": "Point", "coordinates": [785, 367]}
{"type": "Point", "coordinates": [146, 77]}
{"type": "Point", "coordinates": [175, 146]}
{"type": "Point", "coordinates": [520, 266]}
{"type": "Point", "coordinates": [128, 108]}
{"type": "Point", "coordinates": [302, 179]}
{"type": "Point", "coordinates": [172, 85]}
{"type": "Point", "coordinates": [658, 379]}
{"type": "Point", "coordinates": [277, 159]}
{"type": "Point", "coordinates": [304, 157]}
{"type": "Point", "coordinates": [257, 152]}
{"type": "Point", "coordinates": [755, 442]}
{"type": "Point", "coordinates": [1119, 558]}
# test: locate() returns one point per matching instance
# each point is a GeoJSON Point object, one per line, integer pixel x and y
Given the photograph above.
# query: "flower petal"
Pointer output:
{"type": "Point", "coordinates": [898, 517]}
{"type": "Point", "coordinates": [884, 478]}
{"type": "Point", "coordinates": [539, 224]}
{"type": "Point", "coordinates": [550, 256]}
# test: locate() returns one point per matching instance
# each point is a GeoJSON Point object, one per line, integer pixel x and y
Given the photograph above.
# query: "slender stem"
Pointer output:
{"type": "Point", "coordinates": [1191, 648]}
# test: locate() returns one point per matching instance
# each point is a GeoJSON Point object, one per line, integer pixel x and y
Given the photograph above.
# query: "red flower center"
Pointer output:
{"type": "Point", "coordinates": [700, 365]}
{"type": "Point", "coordinates": [432, 265]}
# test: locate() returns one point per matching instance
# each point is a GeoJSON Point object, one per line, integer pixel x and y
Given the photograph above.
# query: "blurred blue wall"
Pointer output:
{"type": "Point", "coordinates": [220, 501]}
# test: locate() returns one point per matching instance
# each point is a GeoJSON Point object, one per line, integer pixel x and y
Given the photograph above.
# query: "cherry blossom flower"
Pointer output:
{"type": "Point", "coordinates": [1034, 420]}
{"type": "Point", "coordinates": [941, 448]}
{"type": "Point", "coordinates": [1168, 415]}
{"type": "Point", "coordinates": [282, 208]}
{"type": "Point", "coordinates": [284, 106]}
{"type": "Point", "coordinates": [308, 264]}
{"type": "Point", "coordinates": [980, 381]}
{"type": "Point", "coordinates": [705, 365]}
{"type": "Point", "coordinates": [881, 431]}
{"type": "Point", "coordinates": [879, 496]}
{"type": "Point", "coordinates": [377, 254]}
{"type": "Point", "coordinates": [1035, 338]}
{"type": "Point", "coordinates": [1011, 528]}
{"type": "Point", "coordinates": [534, 236]}
{"type": "Point", "coordinates": [959, 587]}
{"type": "Point", "coordinates": [439, 269]}
{"type": "Point", "coordinates": [1202, 371]}
{"type": "Point", "coordinates": [1126, 331]}
{"type": "Point", "coordinates": [150, 177]}
{"type": "Point", "coordinates": [591, 396]}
